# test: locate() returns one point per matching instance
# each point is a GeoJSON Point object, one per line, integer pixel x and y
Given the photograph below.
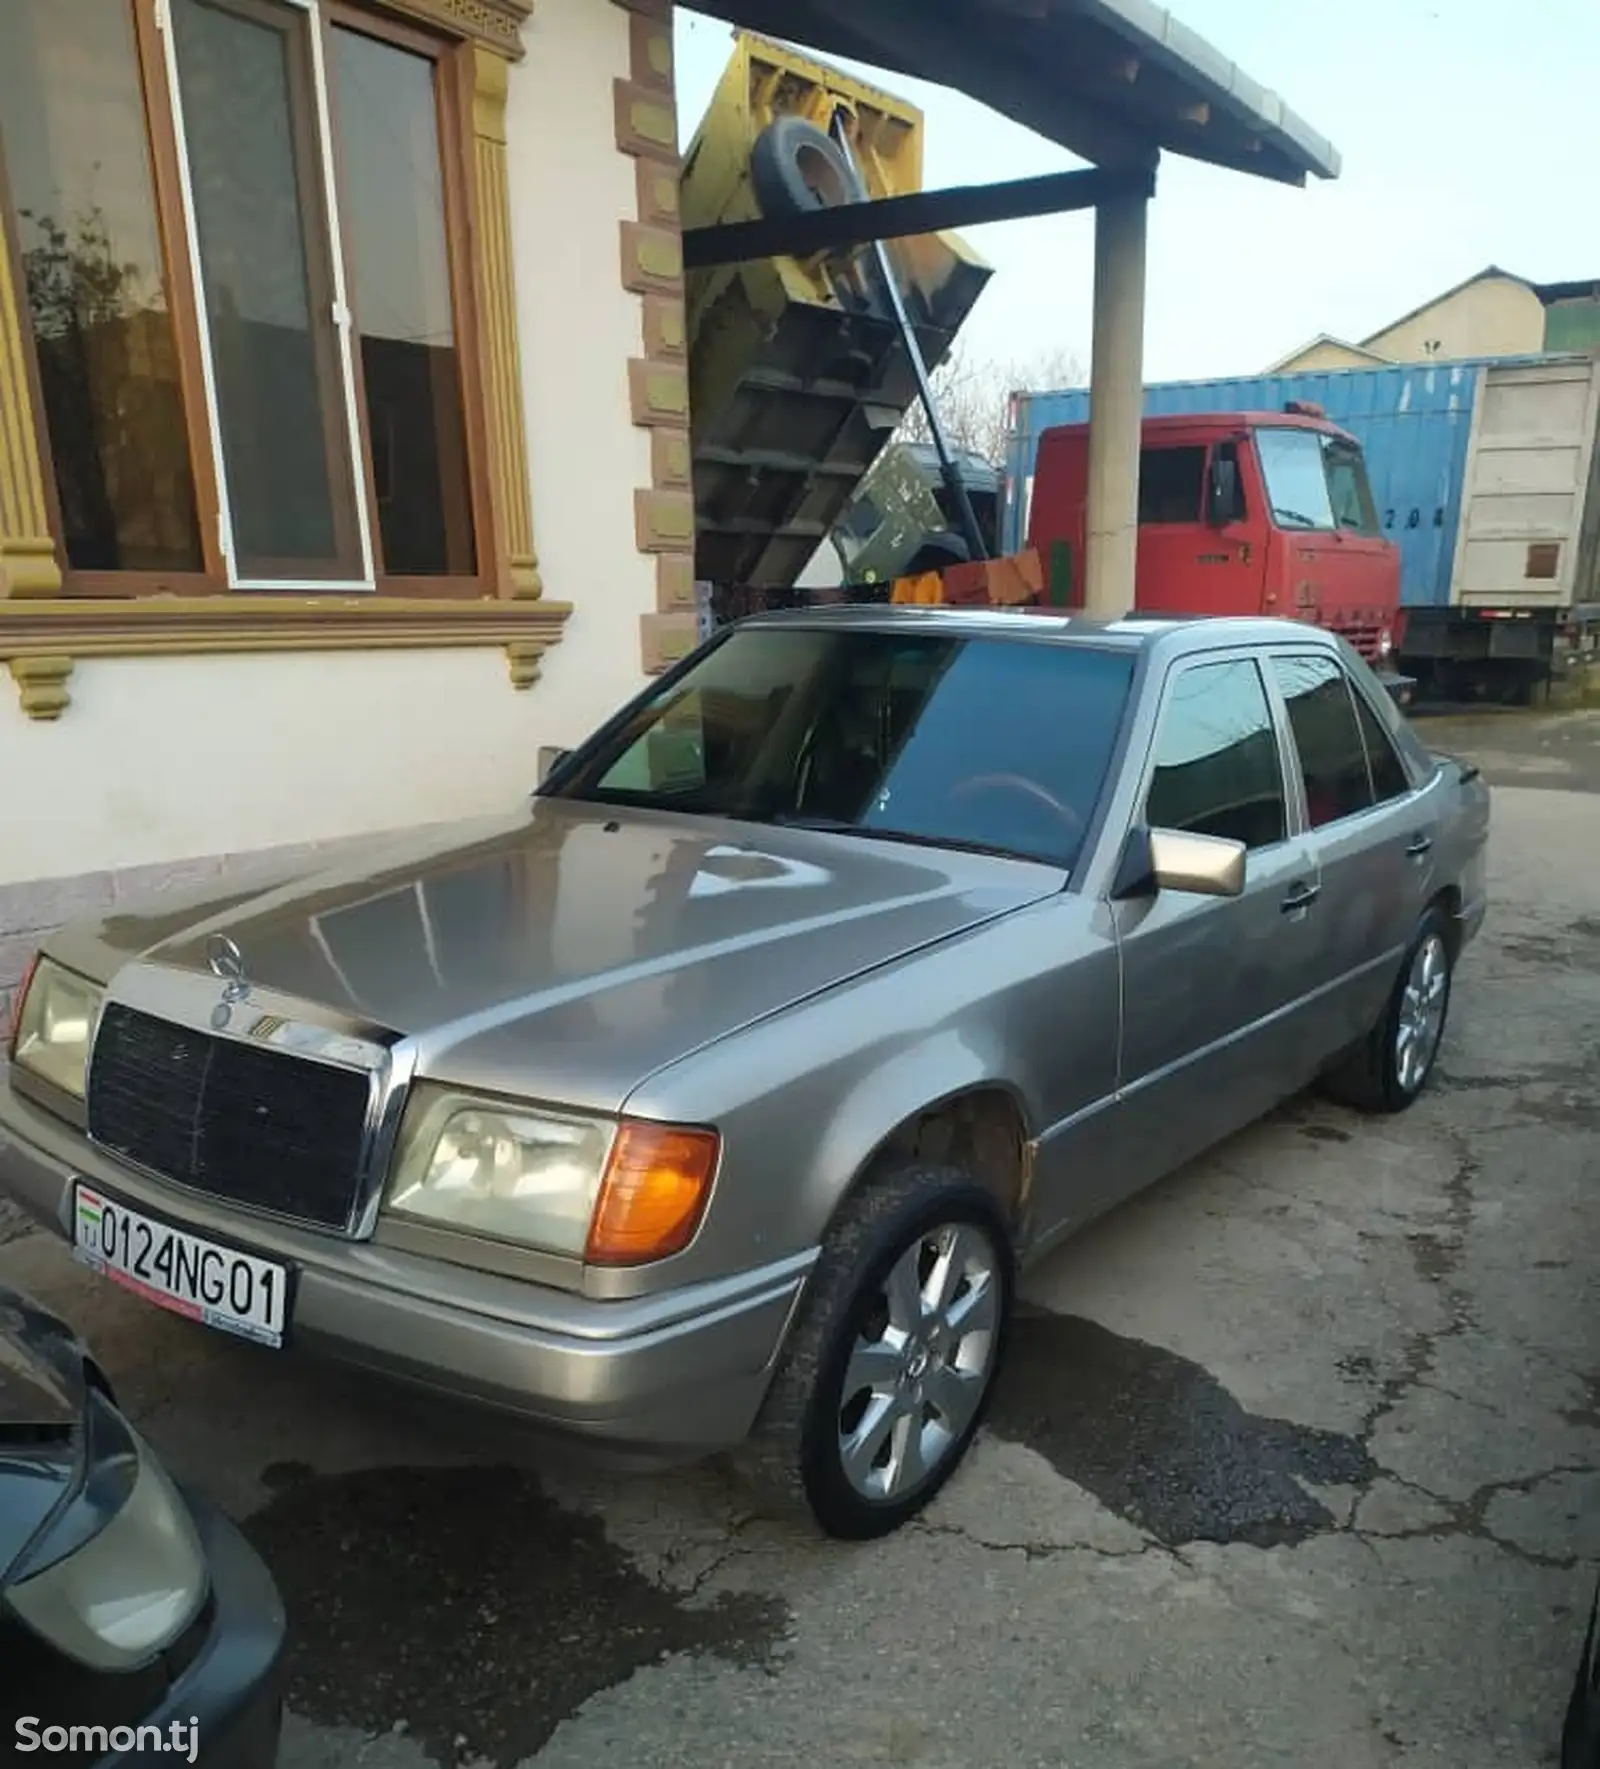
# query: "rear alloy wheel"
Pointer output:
{"type": "Point", "coordinates": [1419, 1022]}
{"type": "Point", "coordinates": [890, 1366]}
{"type": "Point", "coordinates": [1390, 1068]}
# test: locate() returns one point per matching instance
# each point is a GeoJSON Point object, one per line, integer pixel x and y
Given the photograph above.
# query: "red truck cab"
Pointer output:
{"type": "Point", "coordinates": [1239, 513]}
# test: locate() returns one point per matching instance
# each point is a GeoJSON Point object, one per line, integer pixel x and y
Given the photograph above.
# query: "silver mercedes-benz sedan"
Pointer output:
{"type": "Point", "coordinates": [713, 1098]}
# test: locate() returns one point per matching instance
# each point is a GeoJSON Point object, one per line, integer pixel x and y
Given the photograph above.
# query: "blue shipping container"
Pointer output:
{"type": "Point", "coordinates": [1413, 422]}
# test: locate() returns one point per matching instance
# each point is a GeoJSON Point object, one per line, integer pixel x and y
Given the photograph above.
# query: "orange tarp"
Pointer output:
{"type": "Point", "coordinates": [1013, 582]}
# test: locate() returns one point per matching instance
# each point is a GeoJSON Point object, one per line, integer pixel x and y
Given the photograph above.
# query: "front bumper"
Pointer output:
{"type": "Point", "coordinates": [682, 1373]}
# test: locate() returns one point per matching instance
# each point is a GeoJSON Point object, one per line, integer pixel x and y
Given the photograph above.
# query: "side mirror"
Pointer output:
{"type": "Point", "coordinates": [551, 756]}
{"type": "Point", "coordinates": [1222, 492]}
{"type": "Point", "coordinates": [1204, 865]}
{"type": "Point", "coordinates": [1171, 860]}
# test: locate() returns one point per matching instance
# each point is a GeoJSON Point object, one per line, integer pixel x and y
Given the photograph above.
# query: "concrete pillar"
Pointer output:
{"type": "Point", "coordinates": [1116, 395]}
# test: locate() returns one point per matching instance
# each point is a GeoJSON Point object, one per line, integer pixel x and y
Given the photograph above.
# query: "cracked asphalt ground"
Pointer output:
{"type": "Point", "coordinates": [1295, 1461]}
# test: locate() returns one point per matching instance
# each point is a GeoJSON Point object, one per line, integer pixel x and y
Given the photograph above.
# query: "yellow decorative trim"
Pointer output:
{"type": "Point", "coordinates": [675, 585]}
{"type": "Point", "coordinates": [495, 23]}
{"type": "Point", "coordinates": [650, 41]}
{"type": "Point", "coordinates": [658, 392]}
{"type": "Point", "coordinates": [525, 659]}
{"type": "Point", "coordinates": [664, 520]}
{"type": "Point", "coordinates": [42, 686]}
{"type": "Point", "coordinates": [666, 639]}
{"type": "Point", "coordinates": [660, 194]}
{"type": "Point", "coordinates": [502, 353]}
{"type": "Point", "coordinates": [652, 259]}
{"type": "Point", "coordinates": [42, 640]}
{"type": "Point", "coordinates": [27, 553]}
{"type": "Point", "coordinates": [671, 460]}
{"type": "Point", "coordinates": [664, 328]}
{"type": "Point", "coordinates": [652, 268]}
{"type": "Point", "coordinates": [647, 122]}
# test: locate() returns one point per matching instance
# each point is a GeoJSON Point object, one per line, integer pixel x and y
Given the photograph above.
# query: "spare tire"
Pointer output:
{"type": "Point", "coordinates": [938, 552]}
{"type": "Point", "coordinates": [796, 168]}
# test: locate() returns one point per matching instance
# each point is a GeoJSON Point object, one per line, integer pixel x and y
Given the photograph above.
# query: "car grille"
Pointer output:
{"type": "Point", "coordinates": [253, 1126]}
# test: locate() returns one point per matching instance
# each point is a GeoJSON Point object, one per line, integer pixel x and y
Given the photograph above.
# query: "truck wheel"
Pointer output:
{"type": "Point", "coordinates": [891, 1361]}
{"type": "Point", "coordinates": [1388, 1070]}
{"type": "Point", "coordinates": [795, 168]}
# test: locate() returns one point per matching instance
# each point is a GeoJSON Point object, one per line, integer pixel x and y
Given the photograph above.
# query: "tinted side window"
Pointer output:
{"type": "Point", "coordinates": [1217, 768]}
{"type": "Point", "coordinates": [1333, 758]}
{"type": "Point", "coordinates": [1171, 484]}
{"type": "Point", "coordinates": [1389, 777]}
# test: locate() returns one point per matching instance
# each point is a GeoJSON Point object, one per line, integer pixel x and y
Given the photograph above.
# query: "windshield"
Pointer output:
{"type": "Point", "coordinates": [994, 744]}
{"type": "Point", "coordinates": [1297, 479]}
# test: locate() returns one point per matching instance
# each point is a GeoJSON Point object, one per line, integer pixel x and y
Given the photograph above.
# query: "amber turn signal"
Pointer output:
{"type": "Point", "coordinates": [654, 1193]}
{"type": "Point", "coordinates": [11, 1026]}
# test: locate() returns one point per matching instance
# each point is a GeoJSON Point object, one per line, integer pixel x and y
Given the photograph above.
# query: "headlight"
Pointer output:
{"type": "Point", "coordinates": [1385, 643]}
{"type": "Point", "coordinates": [132, 1589]}
{"type": "Point", "coordinates": [55, 1024]}
{"type": "Point", "coordinates": [489, 1169]}
{"type": "Point", "coordinates": [586, 1188]}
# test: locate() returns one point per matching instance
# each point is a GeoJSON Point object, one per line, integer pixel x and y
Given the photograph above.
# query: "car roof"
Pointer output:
{"type": "Point", "coordinates": [1140, 631]}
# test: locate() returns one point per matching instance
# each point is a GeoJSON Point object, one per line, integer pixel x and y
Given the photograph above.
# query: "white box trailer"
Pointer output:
{"type": "Point", "coordinates": [1531, 499]}
{"type": "Point", "coordinates": [1525, 575]}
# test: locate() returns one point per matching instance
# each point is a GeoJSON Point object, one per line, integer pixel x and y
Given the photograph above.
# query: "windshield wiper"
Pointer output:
{"type": "Point", "coordinates": [827, 825]}
{"type": "Point", "coordinates": [1299, 518]}
{"type": "Point", "coordinates": [837, 826]}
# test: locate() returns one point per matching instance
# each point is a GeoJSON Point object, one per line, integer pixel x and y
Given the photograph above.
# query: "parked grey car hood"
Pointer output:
{"type": "Point", "coordinates": [574, 949]}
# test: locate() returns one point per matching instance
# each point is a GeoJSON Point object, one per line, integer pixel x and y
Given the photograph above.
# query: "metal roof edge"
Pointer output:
{"type": "Point", "coordinates": [1150, 27]}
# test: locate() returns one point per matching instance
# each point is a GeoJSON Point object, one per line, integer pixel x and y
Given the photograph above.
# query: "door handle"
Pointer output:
{"type": "Point", "coordinates": [1301, 896]}
{"type": "Point", "coordinates": [1420, 845]}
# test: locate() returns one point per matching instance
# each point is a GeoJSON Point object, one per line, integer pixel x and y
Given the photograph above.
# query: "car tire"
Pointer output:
{"type": "Point", "coordinates": [857, 1370]}
{"type": "Point", "coordinates": [1389, 1070]}
{"type": "Point", "coordinates": [796, 168]}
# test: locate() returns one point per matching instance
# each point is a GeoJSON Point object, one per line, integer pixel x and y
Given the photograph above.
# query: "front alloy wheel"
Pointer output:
{"type": "Point", "coordinates": [889, 1367]}
{"type": "Point", "coordinates": [921, 1363]}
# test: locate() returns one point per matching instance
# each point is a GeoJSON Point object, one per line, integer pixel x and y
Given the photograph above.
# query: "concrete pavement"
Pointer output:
{"type": "Point", "coordinates": [1297, 1460]}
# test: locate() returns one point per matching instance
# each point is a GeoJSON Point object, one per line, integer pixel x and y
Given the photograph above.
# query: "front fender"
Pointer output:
{"type": "Point", "coordinates": [805, 1100]}
{"type": "Point", "coordinates": [902, 1084]}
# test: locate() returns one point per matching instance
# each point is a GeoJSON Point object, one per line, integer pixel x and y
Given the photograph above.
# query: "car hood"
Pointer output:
{"type": "Point", "coordinates": [573, 949]}
{"type": "Point", "coordinates": [42, 1396]}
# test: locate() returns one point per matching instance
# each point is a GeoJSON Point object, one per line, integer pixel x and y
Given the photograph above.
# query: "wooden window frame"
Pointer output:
{"type": "Point", "coordinates": [452, 58]}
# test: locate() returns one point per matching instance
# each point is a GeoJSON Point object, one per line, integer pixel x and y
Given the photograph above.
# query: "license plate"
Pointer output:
{"type": "Point", "coordinates": [178, 1271]}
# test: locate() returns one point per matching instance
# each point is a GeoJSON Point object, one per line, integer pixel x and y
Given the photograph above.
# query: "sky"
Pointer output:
{"type": "Point", "coordinates": [1466, 129]}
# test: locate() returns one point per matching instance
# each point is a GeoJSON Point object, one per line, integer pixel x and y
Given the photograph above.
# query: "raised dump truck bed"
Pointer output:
{"type": "Point", "coordinates": [797, 375]}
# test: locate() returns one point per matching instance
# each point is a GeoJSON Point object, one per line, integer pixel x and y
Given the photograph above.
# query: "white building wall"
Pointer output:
{"type": "Point", "coordinates": [570, 191]}
{"type": "Point", "coordinates": [167, 760]}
